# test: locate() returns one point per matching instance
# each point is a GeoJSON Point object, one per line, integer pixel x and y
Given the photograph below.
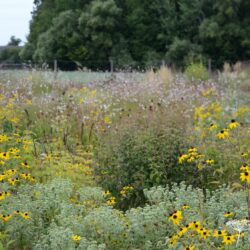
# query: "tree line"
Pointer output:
{"type": "Point", "coordinates": [138, 32]}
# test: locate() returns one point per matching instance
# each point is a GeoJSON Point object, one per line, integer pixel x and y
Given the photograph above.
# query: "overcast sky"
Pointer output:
{"type": "Point", "coordinates": [14, 19]}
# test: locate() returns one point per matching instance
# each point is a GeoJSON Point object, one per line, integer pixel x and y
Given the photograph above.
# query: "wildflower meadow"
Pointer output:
{"type": "Point", "coordinates": [153, 160]}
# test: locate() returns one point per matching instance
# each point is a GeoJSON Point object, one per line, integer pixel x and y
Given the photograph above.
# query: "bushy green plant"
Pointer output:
{"type": "Point", "coordinates": [197, 72]}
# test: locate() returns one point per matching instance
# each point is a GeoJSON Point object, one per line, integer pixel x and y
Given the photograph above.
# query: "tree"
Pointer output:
{"type": "Point", "coordinates": [10, 54]}
{"type": "Point", "coordinates": [14, 41]}
{"type": "Point", "coordinates": [225, 33]}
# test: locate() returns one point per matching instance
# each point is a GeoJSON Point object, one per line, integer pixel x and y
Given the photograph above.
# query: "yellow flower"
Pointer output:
{"type": "Point", "coordinates": [185, 206]}
{"type": "Point", "coordinates": [212, 127]}
{"type": "Point", "coordinates": [219, 233]}
{"type": "Point", "coordinates": [3, 195]}
{"type": "Point", "coordinates": [176, 217]}
{"type": "Point", "coordinates": [190, 159]}
{"type": "Point", "coordinates": [189, 247]}
{"type": "Point", "coordinates": [6, 217]}
{"type": "Point", "coordinates": [203, 233]}
{"type": "Point", "coordinates": [196, 225]}
{"type": "Point", "coordinates": [223, 134]}
{"type": "Point", "coordinates": [111, 201]}
{"type": "Point", "coordinates": [106, 193]}
{"type": "Point", "coordinates": [25, 164]}
{"type": "Point", "coordinates": [228, 239]}
{"type": "Point", "coordinates": [76, 237]}
{"type": "Point", "coordinates": [3, 138]}
{"type": "Point", "coordinates": [245, 176]}
{"type": "Point", "coordinates": [210, 161]}
{"type": "Point", "coordinates": [192, 150]}
{"type": "Point", "coordinates": [182, 231]}
{"type": "Point", "coordinates": [172, 240]}
{"type": "Point", "coordinates": [17, 212]}
{"type": "Point", "coordinates": [182, 158]}
{"type": "Point", "coordinates": [228, 214]}
{"type": "Point", "coordinates": [244, 154]}
{"type": "Point", "coordinates": [25, 215]}
{"type": "Point", "coordinates": [5, 156]}
{"type": "Point", "coordinates": [233, 124]}
{"type": "Point", "coordinates": [245, 167]}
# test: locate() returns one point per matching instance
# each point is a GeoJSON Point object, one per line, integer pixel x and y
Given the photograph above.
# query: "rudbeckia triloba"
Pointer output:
{"type": "Point", "coordinates": [223, 134]}
{"type": "Point", "coordinates": [172, 240]}
{"type": "Point", "coordinates": [228, 214]}
{"type": "Point", "coordinates": [244, 154]}
{"type": "Point", "coordinates": [228, 239]}
{"type": "Point", "coordinates": [212, 127]}
{"type": "Point", "coordinates": [176, 217]}
{"type": "Point", "coordinates": [245, 167]}
{"type": "Point", "coordinates": [203, 233]}
{"type": "Point", "coordinates": [76, 237]}
{"type": "Point", "coordinates": [245, 176]}
{"type": "Point", "coordinates": [210, 161]}
{"type": "Point", "coordinates": [111, 200]}
{"type": "Point", "coordinates": [5, 155]}
{"type": "Point", "coordinates": [182, 231]}
{"type": "Point", "coordinates": [25, 164]}
{"type": "Point", "coordinates": [185, 206]}
{"type": "Point", "coordinates": [196, 225]}
{"type": "Point", "coordinates": [219, 233]}
{"type": "Point", "coordinates": [182, 158]}
{"type": "Point", "coordinates": [106, 193]}
{"type": "Point", "coordinates": [233, 124]}
{"type": "Point", "coordinates": [189, 248]}
{"type": "Point", "coordinates": [25, 215]}
{"type": "Point", "coordinates": [6, 217]}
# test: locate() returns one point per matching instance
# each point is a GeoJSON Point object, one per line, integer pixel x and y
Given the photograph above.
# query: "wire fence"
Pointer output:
{"type": "Point", "coordinates": [112, 65]}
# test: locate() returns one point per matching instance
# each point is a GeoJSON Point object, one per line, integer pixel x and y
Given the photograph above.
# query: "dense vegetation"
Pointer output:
{"type": "Point", "coordinates": [137, 161]}
{"type": "Point", "coordinates": [139, 33]}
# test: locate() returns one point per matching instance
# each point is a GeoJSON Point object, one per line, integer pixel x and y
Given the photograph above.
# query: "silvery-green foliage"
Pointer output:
{"type": "Point", "coordinates": [93, 194]}
{"type": "Point", "coordinates": [55, 217]}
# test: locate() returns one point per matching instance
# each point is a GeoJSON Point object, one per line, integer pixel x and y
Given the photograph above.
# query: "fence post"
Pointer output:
{"type": "Point", "coordinates": [163, 63]}
{"type": "Point", "coordinates": [209, 65]}
{"type": "Point", "coordinates": [55, 69]}
{"type": "Point", "coordinates": [111, 65]}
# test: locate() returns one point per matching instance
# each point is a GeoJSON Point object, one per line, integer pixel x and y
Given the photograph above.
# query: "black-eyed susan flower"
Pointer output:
{"type": "Point", "coordinates": [106, 193]}
{"type": "Point", "coordinates": [228, 239]}
{"type": "Point", "coordinates": [172, 240]}
{"type": "Point", "coordinates": [25, 164]}
{"type": "Point", "coordinates": [191, 247]}
{"type": "Point", "coordinates": [111, 201]}
{"type": "Point", "coordinates": [244, 154]}
{"type": "Point", "coordinates": [219, 233]}
{"type": "Point", "coordinates": [196, 225]}
{"type": "Point", "coordinates": [245, 167]}
{"type": "Point", "coordinates": [182, 158]}
{"type": "Point", "coordinates": [204, 233]}
{"type": "Point", "coordinates": [245, 176]}
{"type": "Point", "coordinates": [6, 217]}
{"type": "Point", "coordinates": [25, 215]}
{"type": "Point", "coordinates": [212, 127]}
{"type": "Point", "coordinates": [176, 217]}
{"type": "Point", "coordinates": [5, 156]}
{"type": "Point", "coordinates": [182, 231]}
{"type": "Point", "coordinates": [185, 206]}
{"type": "Point", "coordinates": [228, 214]}
{"type": "Point", "coordinates": [223, 134]}
{"type": "Point", "coordinates": [192, 150]}
{"type": "Point", "coordinates": [210, 161]}
{"type": "Point", "coordinates": [76, 237]}
{"type": "Point", "coordinates": [233, 124]}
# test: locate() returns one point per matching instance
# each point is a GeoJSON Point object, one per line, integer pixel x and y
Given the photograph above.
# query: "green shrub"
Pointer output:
{"type": "Point", "coordinates": [197, 72]}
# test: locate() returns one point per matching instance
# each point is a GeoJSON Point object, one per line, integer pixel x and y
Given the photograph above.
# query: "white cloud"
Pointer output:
{"type": "Point", "coordinates": [14, 19]}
